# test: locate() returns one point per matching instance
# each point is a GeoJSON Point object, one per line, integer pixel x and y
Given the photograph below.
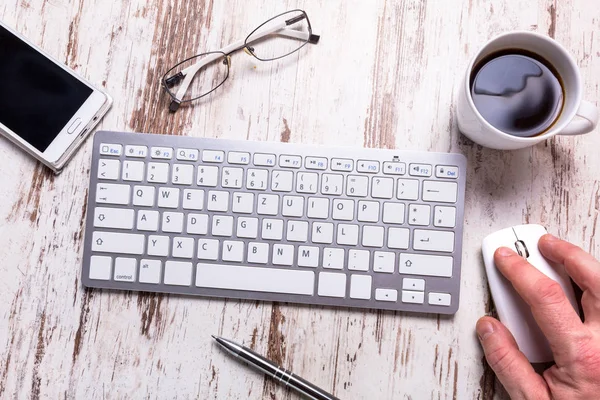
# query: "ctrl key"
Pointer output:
{"type": "Point", "coordinates": [386, 295]}
{"type": "Point", "coordinates": [125, 269]}
{"type": "Point", "coordinates": [100, 268]}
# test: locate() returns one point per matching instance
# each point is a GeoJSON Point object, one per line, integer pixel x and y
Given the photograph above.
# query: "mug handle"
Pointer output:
{"type": "Point", "coordinates": [588, 120]}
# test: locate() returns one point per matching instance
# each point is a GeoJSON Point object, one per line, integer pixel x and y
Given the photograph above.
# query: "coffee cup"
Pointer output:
{"type": "Point", "coordinates": [504, 114]}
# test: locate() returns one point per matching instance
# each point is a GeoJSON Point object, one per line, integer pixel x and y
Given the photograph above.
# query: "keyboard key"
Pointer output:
{"type": "Point", "coordinates": [433, 240]}
{"type": "Point", "coordinates": [232, 178]}
{"type": "Point", "coordinates": [125, 269]}
{"type": "Point", "coordinates": [297, 231]}
{"type": "Point", "coordinates": [368, 211]}
{"type": "Point", "coordinates": [386, 295]}
{"type": "Point", "coordinates": [358, 186]}
{"type": "Point", "coordinates": [183, 247]}
{"type": "Point", "coordinates": [197, 224]}
{"type": "Point", "coordinates": [371, 167]}
{"type": "Point", "coordinates": [187, 154]}
{"type": "Point", "coordinates": [318, 207]}
{"type": "Point", "coordinates": [372, 236]}
{"type": "Point", "coordinates": [243, 203]}
{"type": "Point", "coordinates": [421, 264]}
{"type": "Point", "coordinates": [157, 173]}
{"type": "Point", "coordinates": [213, 156]}
{"type": "Point", "coordinates": [143, 195]}
{"type": "Point", "coordinates": [419, 214]}
{"type": "Point", "coordinates": [168, 197]}
{"type": "Point", "coordinates": [343, 210]}
{"type": "Point", "coordinates": [347, 234]}
{"type": "Point", "coordinates": [444, 217]}
{"type": "Point", "coordinates": [446, 171]}
{"type": "Point", "coordinates": [293, 206]}
{"type": "Point", "coordinates": [178, 273]}
{"type": "Point", "coordinates": [268, 204]}
{"type": "Point", "coordinates": [208, 249]}
{"type": "Point", "coordinates": [109, 169]}
{"type": "Point", "coordinates": [258, 253]}
{"type": "Point", "coordinates": [408, 189]}
{"type": "Point", "coordinates": [439, 299]}
{"type": "Point", "coordinates": [332, 184]}
{"type": "Point", "coordinates": [332, 284]}
{"type": "Point", "coordinates": [419, 170]}
{"type": "Point", "coordinates": [342, 164]}
{"type": "Point", "coordinates": [236, 157]}
{"type": "Point", "coordinates": [233, 251]}
{"type": "Point", "coordinates": [207, 176]}
{"type": "Point", "coordinates": [394, 168]}
{"type": "Point", "coordinates": [256, 279]}
{"type": "Point", "coordinates": [307, 182]}
{"type": "Point", "coordinates": [247, 227]}
{"type": "Point", "coordinates": [283, 254]}
{"type": "Point", "coordinates": [282, 181]}
{"type": "Point", "coordinates": [158, 245]}
{"type": "Point", "coordinates": [147, 220]}
{"type": "Point", "coordinates": [398, 238]}
{"type": "Point", "coordinates": [183, 174]}
{"type": "Point", "coordinates": [172, 222]}
{"type": "Point", "coordinates": [100, 268]}
{"type": "Point", "coordinates": [217, 201]}
{"type": "Point", "coordinates": [442, 192]}
{"type": "Point", "coordinates": [358, 260]}
{"type": "Point", "coordinates": [161, 153]}
{"type": "Point", "coordinates": [150, 271]}
{"type": "Point", "coordinates": [360, 287]}
{"type": "Point", "coordinates": [384, 261]}
{"type": "Point", "coordinates": [272, 229]}
{"type": "Point", "coordinates": [118, 218]}
{"type": "Point", "coordinates": [322, 232]}
{"type": "Point", "coordinates": [193, 199]}
{"type": "Point", "coordinates": [289, 161]}
{"type": "Point", "coordinates": [393, 213]}
{"type": "Point", "coordinates": [412, 297]}
{"type": "Point", "coordinates": [333, 258]}
{"type": "Point", "coordinates": [256, 179]}
{"type": "Point", "coordinates": [413, 284]}
{"type": "Point", "coordinates": [110, 149]}
{"type": "Point", "coordinates": [136, 151]}
{"type": "Point", "coordinates": [264, 160]}
{"type": "Point", "coordinates": [111, 242]}
{"type": "Point", "coordinates": [382, 188]}
{"type": "Point", "coordinates": [315, 163]}
{"type": "Point", "coordinates": [133, 171]}
{"type": "Point", "coordinates": [308, 256]}
{"type": "Point", "coordinates": [222, 225]}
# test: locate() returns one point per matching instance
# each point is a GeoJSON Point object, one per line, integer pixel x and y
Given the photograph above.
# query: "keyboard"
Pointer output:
{"type": "Point", "coordinates": [334, 226]}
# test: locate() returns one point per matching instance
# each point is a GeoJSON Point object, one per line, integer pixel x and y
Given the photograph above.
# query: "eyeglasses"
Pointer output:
{"type": "Point", "coordinates": [202, 74]}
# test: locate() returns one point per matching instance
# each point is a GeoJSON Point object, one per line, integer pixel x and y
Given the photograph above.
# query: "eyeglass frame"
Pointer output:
{"type": "Point", "coordinates": [188, 74]}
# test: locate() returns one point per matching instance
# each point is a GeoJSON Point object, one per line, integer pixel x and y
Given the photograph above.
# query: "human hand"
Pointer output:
{"type": "Point", "coordinates": [575, 344]}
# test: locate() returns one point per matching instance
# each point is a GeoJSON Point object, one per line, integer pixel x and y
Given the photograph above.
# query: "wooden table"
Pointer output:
{"type": "Point", "coordinates": [385, 74]}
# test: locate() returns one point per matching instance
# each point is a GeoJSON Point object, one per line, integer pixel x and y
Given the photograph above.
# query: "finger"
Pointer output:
{"type": "Point", "coordinates": [549, 305]}
{"type": "Point", "coordinates": [510, 365]}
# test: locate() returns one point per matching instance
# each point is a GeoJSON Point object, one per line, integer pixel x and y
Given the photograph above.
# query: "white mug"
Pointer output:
{"type": "Point", "coordinates": [577, 117]}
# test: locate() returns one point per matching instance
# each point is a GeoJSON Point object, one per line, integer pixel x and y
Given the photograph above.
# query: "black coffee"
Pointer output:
{"type": "Point", "coordinates": [517, 92]}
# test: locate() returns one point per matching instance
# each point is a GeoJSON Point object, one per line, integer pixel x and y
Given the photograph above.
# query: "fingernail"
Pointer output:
{"type": "Point", "coordinates": [505, 252]}
{"type": "Point", "coordinates": [550, 238]}
{"type": "Point", "coordinates": [484, 329]}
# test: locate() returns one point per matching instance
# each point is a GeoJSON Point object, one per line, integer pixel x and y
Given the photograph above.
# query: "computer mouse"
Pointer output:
{"type": "Point", "coordinates": [513, 312]}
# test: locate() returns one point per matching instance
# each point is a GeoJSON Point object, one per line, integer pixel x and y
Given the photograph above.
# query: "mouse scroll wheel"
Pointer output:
{"type": "Point", "coordinates": [521, 249]}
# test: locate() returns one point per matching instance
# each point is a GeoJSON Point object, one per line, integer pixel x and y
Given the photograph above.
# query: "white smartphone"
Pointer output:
{"type": "Point", "coordinates": [45, 108]}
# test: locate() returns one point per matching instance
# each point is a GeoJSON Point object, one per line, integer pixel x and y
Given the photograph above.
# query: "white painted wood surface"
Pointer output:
{"type": "Point", "coordinates": [384, 75]}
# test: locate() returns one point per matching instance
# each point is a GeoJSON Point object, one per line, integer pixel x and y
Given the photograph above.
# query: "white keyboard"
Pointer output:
{"type": "Point", "coordinates": [336, 226]}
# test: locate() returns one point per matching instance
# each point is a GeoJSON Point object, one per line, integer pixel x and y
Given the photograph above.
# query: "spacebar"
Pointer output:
{"type": "Point", "coordinates": [254, 279]}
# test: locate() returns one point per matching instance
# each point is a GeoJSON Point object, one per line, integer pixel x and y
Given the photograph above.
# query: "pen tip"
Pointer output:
{"type": "Point", "coordinates": [214, 337]}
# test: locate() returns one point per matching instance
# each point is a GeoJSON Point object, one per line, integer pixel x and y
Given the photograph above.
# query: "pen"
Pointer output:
{"type": "Point", "coordinates": [273, 370]}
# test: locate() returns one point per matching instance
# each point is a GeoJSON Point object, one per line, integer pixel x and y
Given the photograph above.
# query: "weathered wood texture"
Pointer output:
{"type": "Point", "coordinates": [384, 75]}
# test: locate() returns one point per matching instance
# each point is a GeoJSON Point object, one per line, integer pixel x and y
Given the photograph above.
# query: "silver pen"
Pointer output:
{"type": "Point", "coordinates": [275, 371]}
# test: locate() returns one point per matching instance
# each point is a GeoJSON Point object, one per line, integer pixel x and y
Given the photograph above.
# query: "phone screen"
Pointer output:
{"type": "Point", "coordinates": [37, 97]}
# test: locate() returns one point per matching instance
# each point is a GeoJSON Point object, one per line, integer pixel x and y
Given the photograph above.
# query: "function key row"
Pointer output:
{"type": "Point", "coordinates": [285, 160]}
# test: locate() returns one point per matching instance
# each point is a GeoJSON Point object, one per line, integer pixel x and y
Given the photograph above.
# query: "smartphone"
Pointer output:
{"type": "Point", "coordinates": [45, 108]}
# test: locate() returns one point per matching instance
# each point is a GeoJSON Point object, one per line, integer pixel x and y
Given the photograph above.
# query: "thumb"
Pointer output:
{"type": "Point", "coordinates": [510, 365]}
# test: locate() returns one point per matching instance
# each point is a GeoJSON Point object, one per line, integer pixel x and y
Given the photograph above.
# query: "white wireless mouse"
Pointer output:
{"type": "Point", "coordinates": [514, 313]}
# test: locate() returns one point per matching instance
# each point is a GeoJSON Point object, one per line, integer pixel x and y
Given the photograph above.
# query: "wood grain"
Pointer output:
{"type": "Point", "coordinates": [383, 75]}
